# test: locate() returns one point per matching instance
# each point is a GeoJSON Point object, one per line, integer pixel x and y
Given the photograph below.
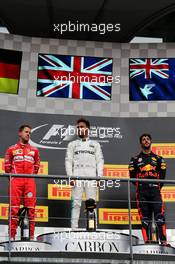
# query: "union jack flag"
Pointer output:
{"type": "Point", "coordinates": [149, 67]}
{"type": "Point", "coordinates": [152, 79]}
{"type": "Point", "coordinates": [74, 77]}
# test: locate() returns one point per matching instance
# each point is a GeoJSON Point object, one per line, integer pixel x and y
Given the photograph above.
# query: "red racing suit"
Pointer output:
{"type": "Point", "coordinates": [22, 159]}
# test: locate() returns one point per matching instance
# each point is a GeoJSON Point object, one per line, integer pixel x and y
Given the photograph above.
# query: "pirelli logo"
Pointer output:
{"type": "Point", "coordinates": [166, 150]}
{"type": "Point", "coordinates": [118, 216]}
{"type": "Point", "coordinates": [41, 213]}
{"type": "Point", "coordinates": [42, 171]}
{"type": "Point", "coordinates": [59, 192]}
{"type": "Point", "coordinates": [168, 193]}
{"type": "Point", "coordinates": [116, 171]}
{"type": "Point", "coordinates": [62, 192]}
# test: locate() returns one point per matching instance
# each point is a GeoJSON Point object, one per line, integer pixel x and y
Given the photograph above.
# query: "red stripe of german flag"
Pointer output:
{"type": "Point", "coordinates": [9, 71]}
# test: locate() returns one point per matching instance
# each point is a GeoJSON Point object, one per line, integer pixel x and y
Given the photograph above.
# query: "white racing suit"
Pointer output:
{"type": "Point", "coordinates": [83, 158]}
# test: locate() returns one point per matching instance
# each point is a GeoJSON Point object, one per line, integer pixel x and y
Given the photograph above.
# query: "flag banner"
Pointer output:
{"type": "Point", "coordinates": [75, 77]}
{"type": "Point", "coordinates": [152, 79]}
{"type": "Point", "coordinates": [10, 65]}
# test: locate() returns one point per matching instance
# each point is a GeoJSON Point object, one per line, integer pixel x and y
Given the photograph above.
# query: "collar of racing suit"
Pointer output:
{"type": "Point", "coordinates": [84, 139]}
{"type": "Point", "coordinates": [23, 145]}
{"type": "Point", "coordinates": [146, 154]}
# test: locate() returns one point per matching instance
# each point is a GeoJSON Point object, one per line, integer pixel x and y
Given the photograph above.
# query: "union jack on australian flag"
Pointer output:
{"type": "Point", "coordinates": [74, 77]}
{"type": "Point", "coordinates": [152, 79]}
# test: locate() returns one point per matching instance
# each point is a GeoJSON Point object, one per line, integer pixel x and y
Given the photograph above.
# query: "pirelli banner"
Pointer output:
{"type": "Point", "coordinates": [119, 138]}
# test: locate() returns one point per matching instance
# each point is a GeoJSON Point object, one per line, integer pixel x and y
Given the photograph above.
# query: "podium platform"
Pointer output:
{"type": "Point", "coordinates": [153, 249]}
{"type": "Point", "coordinates": [85, 247]}
{"type": "Point", "coordinates": [83, 241]}
{"type": "Point", "coordinates": [25, 246]}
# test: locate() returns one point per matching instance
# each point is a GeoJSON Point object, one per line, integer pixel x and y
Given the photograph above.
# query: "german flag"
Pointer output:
{"type": "Point", "coordinates": [10, 64]}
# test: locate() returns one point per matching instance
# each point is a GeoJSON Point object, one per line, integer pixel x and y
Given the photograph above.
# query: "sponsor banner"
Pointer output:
{"type": "Point", "coordinates": [118, 216]}
{"type": "Point", "coordinates": [166, 150]}
{"type": "Point", "coordinates": [63, 192]}
{"type": "Point", "coordinates": [118, 171]}
{"type": "Point", "coordinates": [168, 193]}
{"type": "Point", "coordinates": [41, 212]}
{"type": "Point", "coordinates": [42, 171]}
{"type": "Point", "coordinates": [59, 192]}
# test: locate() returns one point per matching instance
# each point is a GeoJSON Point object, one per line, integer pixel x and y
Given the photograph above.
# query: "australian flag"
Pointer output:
{"type": "Point", "coordinates": [152, 79]}
{"type": "Point", "coordinates": [74, 77]}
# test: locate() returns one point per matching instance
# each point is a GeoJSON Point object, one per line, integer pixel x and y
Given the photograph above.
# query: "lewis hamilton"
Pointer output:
{"type": "Point", "coordinates": [84, 158]}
